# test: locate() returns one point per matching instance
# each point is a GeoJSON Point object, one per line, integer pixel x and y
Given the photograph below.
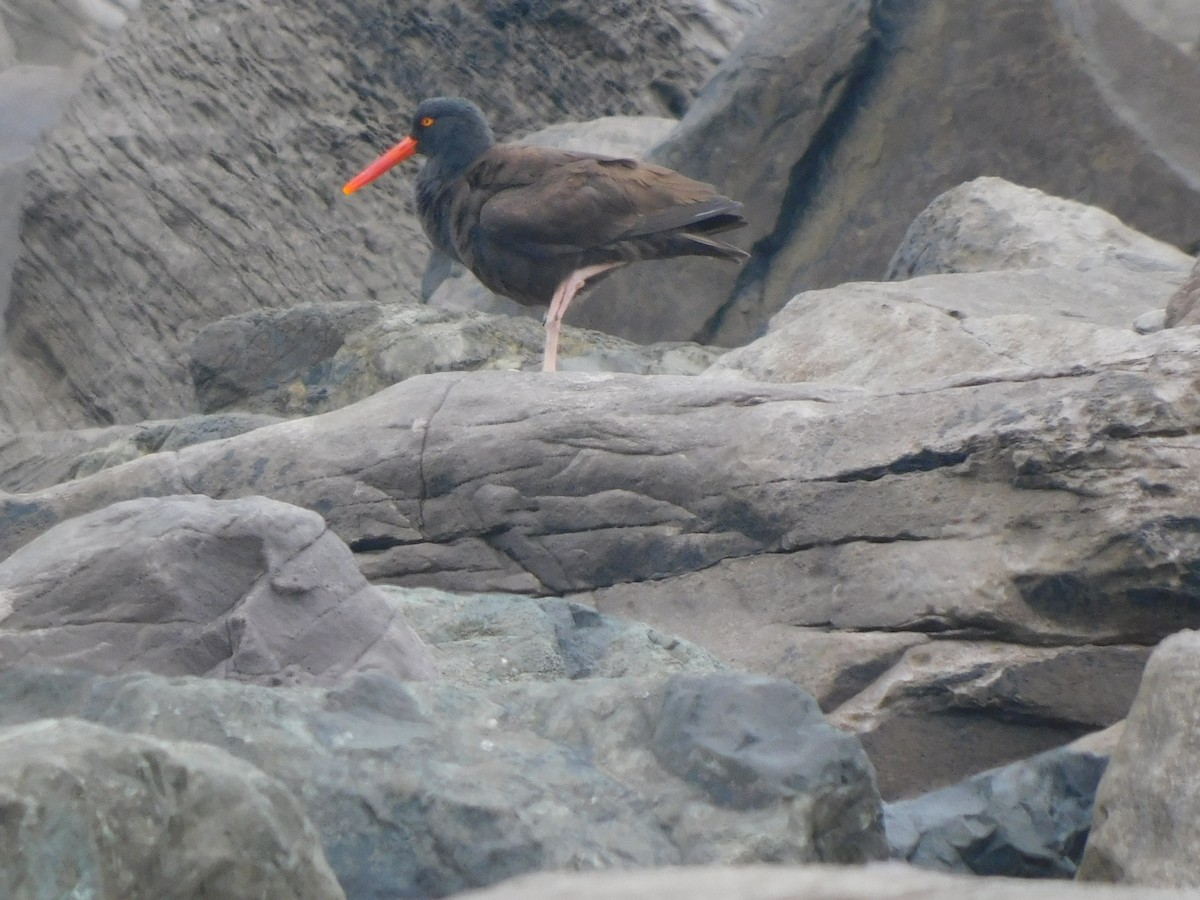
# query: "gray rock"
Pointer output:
{"type": "Point", "coordinates": [891, 881]}
{"type": "Point", "coordinates": [485, 639]}
{"type": "Point", "coordinates": [932, 718]}
{"type": "Point", "coordinates": [314, 358]}
{"type": "Point", "coordinates": [92, 812]}
{"type": "Point", "coordinates": [1028, 819]}
{"type": "Point", "coordinates": [934, 331]}
{"type": "Point", "coordinates": [1148, 803]}
{"type": "Point", "coordinates": [989, 224]}
{"type": "Point", "coordinates": [1176, 21]}
{"type": "Point", "coordinates": [250, 589]}
{"type": "Point", "coordinates": [422, 789]}
{"type": "Point", "coordinates": [197, 173]}
{"type": "Point", "coordinates": [1044, 509]}
{"type": "Point", "coordinates": [837, 123]}
{"type": "Point", "coordinates": [1183, 308]}
{"type": "Point", "coordinates": [35, 459]}
{"type": "Point", "coordinates": [754, 743]}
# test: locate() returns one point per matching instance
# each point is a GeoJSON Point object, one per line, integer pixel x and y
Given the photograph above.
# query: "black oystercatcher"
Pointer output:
{"type": "Point", "coordinates": [535, 224]}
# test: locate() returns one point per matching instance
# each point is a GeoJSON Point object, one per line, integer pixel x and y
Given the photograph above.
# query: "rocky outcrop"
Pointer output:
{"type": "Point", "coordinates": [311, 359]}
{"type": "Point", "coordinates": [938, 523]}
{"type": "Point", "coordinates": [90, 811]}
{"type": "Point", "coordinates": [1025, 282]}
{"type": "Point", "coordinates": [837, 123]}
{"type": "Point", "coordinates": [250, 589]}
{"type": "Point", "coordinates": [424, 789]}
{"type": "Point", "coordinates": [1146, 807]}
{"type": "Point", "coordinates": [1027, 819]}
{"type": "Point", "coordinates": [197, 173]}
{"type": "Point", "coordinates": [725, 511]}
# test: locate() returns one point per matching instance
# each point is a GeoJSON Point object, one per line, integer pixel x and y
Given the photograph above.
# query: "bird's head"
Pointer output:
{"type": "Point", "coordinates": [451, 130]}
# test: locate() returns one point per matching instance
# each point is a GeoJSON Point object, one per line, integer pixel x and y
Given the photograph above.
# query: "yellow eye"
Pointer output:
{"type": "Point", "coordinates": [427, 121]}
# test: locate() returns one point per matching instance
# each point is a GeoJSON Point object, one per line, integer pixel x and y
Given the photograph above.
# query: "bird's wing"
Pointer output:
{"type": "Point", "coordinates": [552, 202]}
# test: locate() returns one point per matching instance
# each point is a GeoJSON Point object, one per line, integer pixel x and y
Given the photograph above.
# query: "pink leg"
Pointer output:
{"type": "Point", "coordinates": [558, 308]}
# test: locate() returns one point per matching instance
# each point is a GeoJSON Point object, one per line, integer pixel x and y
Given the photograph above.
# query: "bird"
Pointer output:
{"type": "Point", "coordinates": [536, 223]}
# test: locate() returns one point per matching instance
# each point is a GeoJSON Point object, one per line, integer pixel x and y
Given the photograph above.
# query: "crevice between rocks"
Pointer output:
{"type": "Point", "coordinates": [804, 181]}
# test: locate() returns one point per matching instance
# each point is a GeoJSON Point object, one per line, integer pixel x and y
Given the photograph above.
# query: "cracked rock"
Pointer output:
{"type": "Point", "coordinates": [251, 590]}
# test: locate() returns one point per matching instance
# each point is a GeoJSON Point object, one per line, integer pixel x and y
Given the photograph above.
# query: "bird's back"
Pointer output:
{"type": "Point", "coordinates": [523, 218]}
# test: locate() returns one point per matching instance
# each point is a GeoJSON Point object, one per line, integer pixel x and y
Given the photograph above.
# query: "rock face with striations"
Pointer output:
{"type": "Point", "coordinates": [941, 521]}
{"type": "Point", "coordinates": [837, 123]}
{"type": "Point", "coordinates": [197, 173]}
{"type": "Point", "coordinates": [249, 589]}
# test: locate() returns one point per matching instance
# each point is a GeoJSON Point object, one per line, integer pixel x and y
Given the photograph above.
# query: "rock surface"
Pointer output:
{"type": "Point", "coordinates": [311, 359]}
{"type": "Point", "coordinates": [720, 511]}
{"type": "Point", "coordinates": [421, 789]}
{"type": "Point", "coordinates": [249, 589]}
{"type": "Point", "coordinates": [881, 882]}
{"type": "Point", "coordinates": [990, 224]}
{"type": "Point", "coordinates": [1028, 819]}
{"type": "Point", "coordinates": [92, 812]}
{"type": "Point", "coordinates": [837, 123]}
{"type": "Point", "coordinates": [1148, 803]}
{"type": "Point", "coordinates": [1182, 307]}
{"type": "Point", "coordinates": [36, 459]}
{"type": "Point", "coordinates": [197, 173]}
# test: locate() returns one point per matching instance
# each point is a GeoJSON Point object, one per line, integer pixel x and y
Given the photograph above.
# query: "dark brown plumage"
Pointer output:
{"type": "Point", "coordinates": [535, 224]}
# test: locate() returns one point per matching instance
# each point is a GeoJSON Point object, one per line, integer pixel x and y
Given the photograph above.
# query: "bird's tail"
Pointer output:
{"type": "Point", "coordinates": [699, 245]}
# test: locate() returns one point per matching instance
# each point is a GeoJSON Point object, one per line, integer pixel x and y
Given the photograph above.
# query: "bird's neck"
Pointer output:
{"type": "Point", "coordinates": [450, 166]}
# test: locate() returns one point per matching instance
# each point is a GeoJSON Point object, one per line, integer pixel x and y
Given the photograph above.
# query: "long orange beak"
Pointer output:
{"type": "Point", "coordinates": [397, 154]}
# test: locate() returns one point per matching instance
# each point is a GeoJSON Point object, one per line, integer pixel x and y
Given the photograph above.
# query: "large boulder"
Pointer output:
{"type": "Point", "coordinates": [93, 812]}
{"type": "Point", "coordinates": [421, 789]}
{"type": "Point", "coordinates": [1043, 511]}
{"type": "Point", "coordinates": [1029, 818]}
{"type": "Point", "coordinates": [1147, 819]}
{"type": "Point", "coordinates": [197, 173]}
{"type": "Point", "coordinates": [249, 589]}
{"type": "Point", "coordinates": [837, 123]}
{"type": "Point", "coordinates": [990, 224]}
{"type": "Point", "coordinates": [1024, 281]}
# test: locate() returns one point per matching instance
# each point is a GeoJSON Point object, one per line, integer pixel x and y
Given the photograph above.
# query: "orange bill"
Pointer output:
{"type": "Point", "coordinates": [397, 154]}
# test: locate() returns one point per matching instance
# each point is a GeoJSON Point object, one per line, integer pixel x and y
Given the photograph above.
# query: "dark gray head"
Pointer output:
{"type": "Point", "coordinates": [452, 131]}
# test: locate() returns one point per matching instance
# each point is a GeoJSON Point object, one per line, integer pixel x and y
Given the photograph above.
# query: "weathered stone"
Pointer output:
{"type": "Point", "coordinates": [91, 812]}
{"type": "Point", "coordinates": [1148, 803]}
{"type": "Point", "coordinates": [989, 224]}
{"type": "Point", "coordinates": [488, 639]}
{"type": "Point", "coordinates": [314, 358]}
{"type": "Point", "coordinates": [422, 789]}
{"type": "Point", "coordinates": [892, 881]}
{"type": "Point", "coordinates": [1028, 819]}
{"type": "Point", "coordinates": [948, 706]}
{"type": "Point", "coordinates": [197, 173]}
{"type": "Point", "coordinates": [958, 329]}
{"type": "Point", "coordinates": [1182, 308]}
{"type": "Point", "coordinates": [250, 589]}
{"type": "Point", "coordinates": [36, 459]}
{"type": "Point", "coordinates": [837, 123]}
{"type": "Point", "coordinates": [752, 743]}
